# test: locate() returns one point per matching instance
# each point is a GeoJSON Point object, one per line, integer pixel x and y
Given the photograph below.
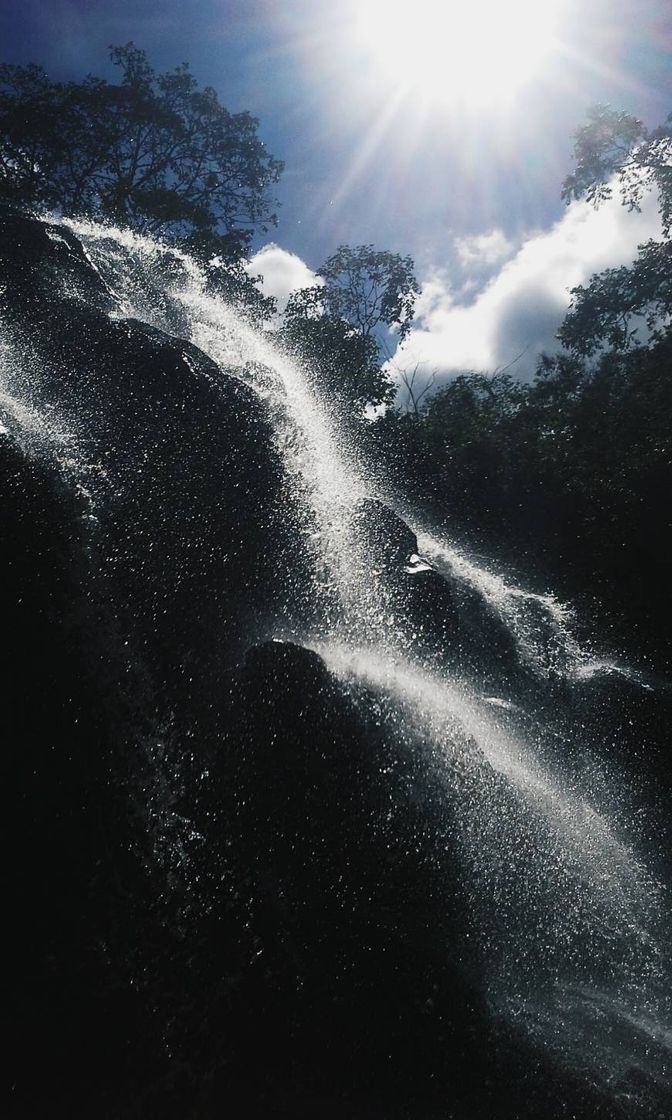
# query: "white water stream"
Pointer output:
{"type": "Point", "coordinates": [553, 878]}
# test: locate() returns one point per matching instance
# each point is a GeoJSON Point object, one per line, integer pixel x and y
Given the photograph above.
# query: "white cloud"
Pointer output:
{"type": "Point", "coordinates": [484, 249]}
{"type": "Point", "coordinates": [282, 272]}
{"type": "Point", "coordinates": [522, 307]}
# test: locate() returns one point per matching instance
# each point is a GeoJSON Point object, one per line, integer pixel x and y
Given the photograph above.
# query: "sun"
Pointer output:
{"type": "Point", "coordinates": [474, 52]}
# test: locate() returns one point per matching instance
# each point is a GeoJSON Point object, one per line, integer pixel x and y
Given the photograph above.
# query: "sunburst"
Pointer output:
{"type": "Point", "coordinates": [476, 52]}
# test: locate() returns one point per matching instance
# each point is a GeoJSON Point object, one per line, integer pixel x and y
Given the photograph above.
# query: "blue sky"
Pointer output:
{"type": "Point", "coordinates": [472, 194]}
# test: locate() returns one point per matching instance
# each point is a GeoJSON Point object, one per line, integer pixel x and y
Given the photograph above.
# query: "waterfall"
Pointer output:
{"type": "Point", "coordinates": [568, 914]}
{"type": "Point", "coordinates": [133, 266]}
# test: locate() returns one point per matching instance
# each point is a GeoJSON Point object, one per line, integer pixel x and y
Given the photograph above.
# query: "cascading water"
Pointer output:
{"type": "Point", "coordinates": [568, 921]}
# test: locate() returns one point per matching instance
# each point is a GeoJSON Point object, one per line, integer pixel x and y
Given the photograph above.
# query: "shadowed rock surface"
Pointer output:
{"type": "Point", "coordinates": [449, 622]}
{"type": "Point", "coordinates": [236, 883]}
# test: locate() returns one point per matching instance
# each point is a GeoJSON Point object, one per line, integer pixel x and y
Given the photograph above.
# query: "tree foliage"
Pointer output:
{"type": "Point", "coordinates": [369, 288]}
{"type": "Point", "coordinates": [232, 282]}
{"type": "Point", "coordinates": [616, 304]}
{"type": "Point", "coordinates": [614, 151]}
{"type": "Point", "coordinates": [155, 152]}
{"type": "Point", "coordinates": [570, 473]}
{"type": "Point", "coordinates": [334, 327]}
{"type": "Point", "coordinates": [342, 361]}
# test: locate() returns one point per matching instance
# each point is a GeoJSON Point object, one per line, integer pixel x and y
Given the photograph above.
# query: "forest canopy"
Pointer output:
{"type": "Point", "coordinates": [623, 307]}
{"type": "Point", "coordinates": [339, 328]}
{"type": "Point", "coordinates": [155, 152]}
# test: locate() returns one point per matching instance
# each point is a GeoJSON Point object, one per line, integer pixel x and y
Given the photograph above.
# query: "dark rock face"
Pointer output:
{"type": "Point", "coordinates": [232, 885]}
{"type": "Point", "coordinates": [446, 620]}
{"type": "Point", "coordinates": [421, 599]}
{"type": "Point", "coordinates": [65, 878]}
{"type": "Point", "coordinates": [138, 563]}
{"type": "Point", "coordinates": [336, 941]}
{"type": "Point", "coordinates": [387, 539]}
{"type": "Point", "coordinates": [39, 263]}
{"type": "Point", "coordinates": [197, 527]}
{"type": "Point", "coordinates": [629, 724]}
{"type": "Point", "coordinates": [486, 648]}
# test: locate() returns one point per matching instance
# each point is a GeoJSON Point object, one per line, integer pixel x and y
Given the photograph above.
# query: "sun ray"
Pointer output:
{"type": "Point", "coordinates": [369, 146]}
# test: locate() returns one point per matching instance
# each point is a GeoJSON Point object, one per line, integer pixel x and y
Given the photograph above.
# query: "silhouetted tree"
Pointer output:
{"type": "Point", "coordinates": [340, 359]}
{"type": "Point", "coordinates": [155, 152]}
{"type": "Point", "coordinates": [369, 288]}
{"type": "Point", "coordinates": [231, 280]}
{"type": "Point", "coordinates": [614, 151]}
{"type": "Point", "coordinates": [335, 327]}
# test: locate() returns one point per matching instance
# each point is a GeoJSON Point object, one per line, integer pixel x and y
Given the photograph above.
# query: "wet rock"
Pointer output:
{"type": "Point", "coordinates": [195, 524]}
{"type": "Point", "coordinates": [333, 848]}
{"type": "Point", "coordinates": [66, 878]}
{"type": "Point", "coordinates": [440, 616]}
{"type": "Point", "coordinates": [486, 647]}
{"type": "Point", "coordinates": [627, 716]}
{"type": "Point", "coordinates": [388, 540]}
{"type": "Point", "coordinates": [430, 604]}
{"type": "Point", "coordinates": [338, 919]}
{"type": "Point", "coordinates": [44, 265]}
{"type": "Point", "coordinates": [419, 599]}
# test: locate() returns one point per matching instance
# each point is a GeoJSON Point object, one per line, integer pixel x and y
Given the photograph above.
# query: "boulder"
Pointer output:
{"type": "Point", "coordinates": [387, 540]}
{"type": "Point", "coordinates": [71, 893]}
{"type": "Point", "coordinates": [43, 267]}
{"type": "Point", "coordinates": [339, 866]}
{"type": "Point", "coordinates": [336, 934]}
{"type": "Point", "coordinates": [195, 527]}
{"type": "Point", "coordinates": [441, 618]}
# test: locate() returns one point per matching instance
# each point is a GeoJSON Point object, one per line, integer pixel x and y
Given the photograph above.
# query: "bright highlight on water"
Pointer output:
{"type": "Point", "coordinates": [568, 918]}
